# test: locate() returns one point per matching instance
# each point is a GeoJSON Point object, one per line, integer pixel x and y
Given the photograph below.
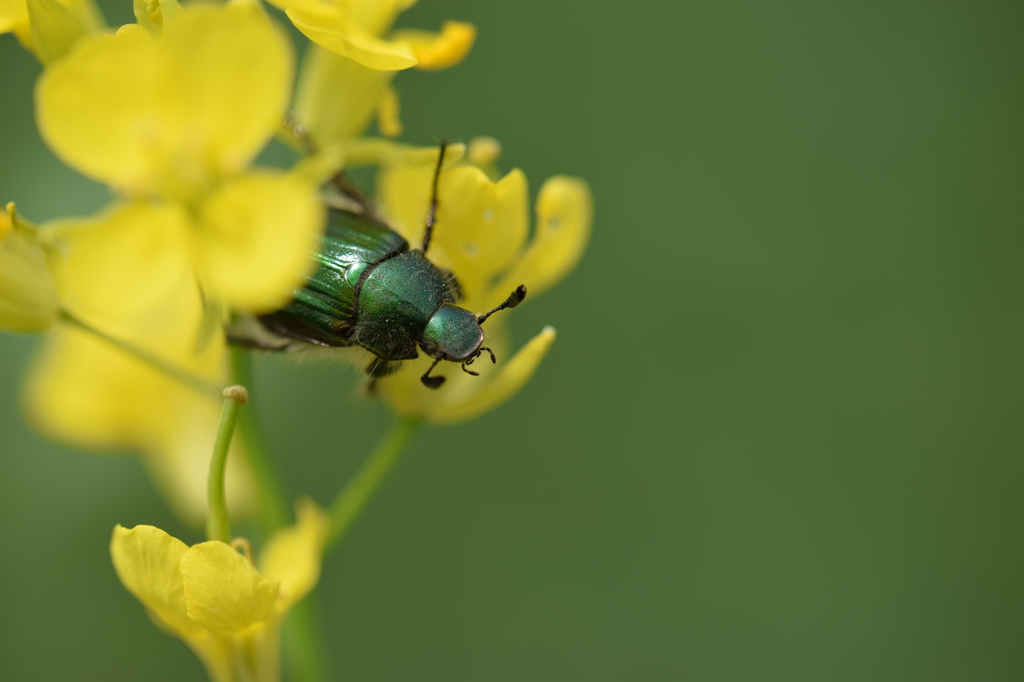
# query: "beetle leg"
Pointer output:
{"type": "Point", "coordinates": [494, 360]}
{"type": "Point", "coordinates": [432, 213]}
{"type": "Point", "coordinates": [429, 381]}
{"type": "Point", "coordinates": [351, 190]}
{"type": "Point", "coordinates": [469, 371]}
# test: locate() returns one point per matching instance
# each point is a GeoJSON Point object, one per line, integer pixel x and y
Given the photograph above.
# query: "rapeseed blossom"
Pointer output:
{"type": "Point", "coordinates": [227, 608]}
{"type": "Point", "coordinates": [171, 122]}
{"type": "Point", "coordinates": [481, 236]}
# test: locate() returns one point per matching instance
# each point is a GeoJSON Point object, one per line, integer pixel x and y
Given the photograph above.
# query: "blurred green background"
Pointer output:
{"type": "Point", "coordinates": [779, 437]}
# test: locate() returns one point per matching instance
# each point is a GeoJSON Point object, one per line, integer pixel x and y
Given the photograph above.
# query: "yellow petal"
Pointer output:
{"type": "Point", "coordinates": [337, 96]}
{"type": "Point", "coordinates": [223, 592]}
{"type": "Point", "coordinates": [292, 556]}
{"type": "Point", "coordinates": [101, 109]}
{"type": "Point", "coordinates": [254, 240]}
{"type": "Point", "coordinates": [340, 34]}
{"type": "Point", "coordinates": [14, 19]}
{"type": "Point", "coordinates": [376, 16]}
{"type": "Point", "coordinates": [353, 29]}
{"type": "Point", "coordinates": [146, 560]}
{"type": "Point", "coordinates": [54, 29]}
{"type": "Point", "coordinates": [120, 262]}
{"type": "Point", "coordinates": [28, 295]}
{"type": "Point", "coordinates": [480, 225]}
{"type": "Point", "coordinates": [439, 51]}
{"type": "Point", "coordinates": [510, 378]}
{"type": "Point", "coordinates": [235, 73]}
{"type": "Point", "coordinates": [170, 116]}
{"type": "Point", "coordinates": [476, 397]}
{"type": "Point", "coordinates": [564, 216]}
{"type": "Point", "coordinates": [84, 392]}
{"type": "Point", "coordinates": [373, 16]}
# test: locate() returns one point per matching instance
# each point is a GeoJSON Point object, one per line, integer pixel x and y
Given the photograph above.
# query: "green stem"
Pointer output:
{"type": "Point", "coordinates": [168, 368]}
{"type": "Point", "coordinates": [273, 509]}
{"type": "Point", "coordinates": [353, 497]}
{"type": "Point", "coordinates": [304, 643]}
{"type": "Point", "coordinates": [218, 524]}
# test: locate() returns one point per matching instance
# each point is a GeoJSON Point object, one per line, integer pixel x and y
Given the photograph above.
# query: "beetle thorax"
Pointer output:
{"type": "Point", "coordinates": [397, 300]}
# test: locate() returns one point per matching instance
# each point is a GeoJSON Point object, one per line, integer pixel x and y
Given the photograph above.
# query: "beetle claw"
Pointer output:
{"type": "Point", "coordinates": [429, 381]}
{"type": "Point", "coordinates": [432, 382]}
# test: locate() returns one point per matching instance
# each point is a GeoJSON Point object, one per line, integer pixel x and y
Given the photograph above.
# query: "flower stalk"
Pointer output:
{"type": "Point", "coordinates": [218, 523]}
{"type": "Point", "coordinates": [351, 500]}
{"type": "Point", "coordinates": [170, 369]}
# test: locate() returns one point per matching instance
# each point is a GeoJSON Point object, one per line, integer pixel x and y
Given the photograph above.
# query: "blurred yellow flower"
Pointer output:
{"type": "Point", "coordinates": [481, 236]}
{"type": "Point", "coordinates": [226, 609]}
{"type": "Point", "coordinates": [175, 119]}
{"type": "Point", "coordinates": [348, 79]}
{"type": "Point", "coordinates": [90, 393]}
{"type": "Point", "coordinates": [28, 295]}
{"type": "Point", "coordinates": [48, 28]}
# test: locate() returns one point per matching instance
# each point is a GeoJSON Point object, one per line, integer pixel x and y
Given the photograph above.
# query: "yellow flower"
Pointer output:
{"type": "Point", "coordinates": [28, 295]}
{"type": "Point", "coordinates": [228, 611]}
{"type": "Point", "coordinates": [48, 28]}
{"type": "Point", "coordinates": [175, 119]}
{"type": "Point", "coordinates": [481, 236]}
{"type": "Point", "coordinates": [348, 79]}
{"type": "Point", "coordinates": [87, 392]}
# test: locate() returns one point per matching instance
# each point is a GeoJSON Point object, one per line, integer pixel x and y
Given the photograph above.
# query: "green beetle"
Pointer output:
{"type": "Point", "coordinates": [371, 290]}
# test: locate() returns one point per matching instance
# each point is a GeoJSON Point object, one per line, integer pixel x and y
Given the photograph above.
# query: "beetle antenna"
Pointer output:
{"type": "Point", "coordinates": [432, 213]}
{"type": "Point", "coordinates": [514, 299]}
{"type": "Point", "coordinates": [429, 381]}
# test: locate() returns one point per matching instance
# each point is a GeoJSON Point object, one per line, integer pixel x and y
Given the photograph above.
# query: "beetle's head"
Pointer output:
{"type": "Point", "coordinates": [453, 333]}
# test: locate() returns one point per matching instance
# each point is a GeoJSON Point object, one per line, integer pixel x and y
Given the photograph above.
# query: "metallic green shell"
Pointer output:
{"type": "Point", "coordinates": [324, 311]}
{"type": "Point", "coordinates": [396, 300]}
{"type": "Point", "coordinates": [368, 289]}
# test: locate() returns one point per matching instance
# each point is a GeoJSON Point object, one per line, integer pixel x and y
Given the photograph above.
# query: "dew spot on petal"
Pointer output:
{"type": "Point", "coordinates": [471, 249]}
{"type": "Point", "coordinates": [489, 215]}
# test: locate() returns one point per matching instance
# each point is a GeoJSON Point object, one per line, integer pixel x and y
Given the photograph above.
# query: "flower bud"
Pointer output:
{"type": "Point", "coordinates": [28, 295]}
